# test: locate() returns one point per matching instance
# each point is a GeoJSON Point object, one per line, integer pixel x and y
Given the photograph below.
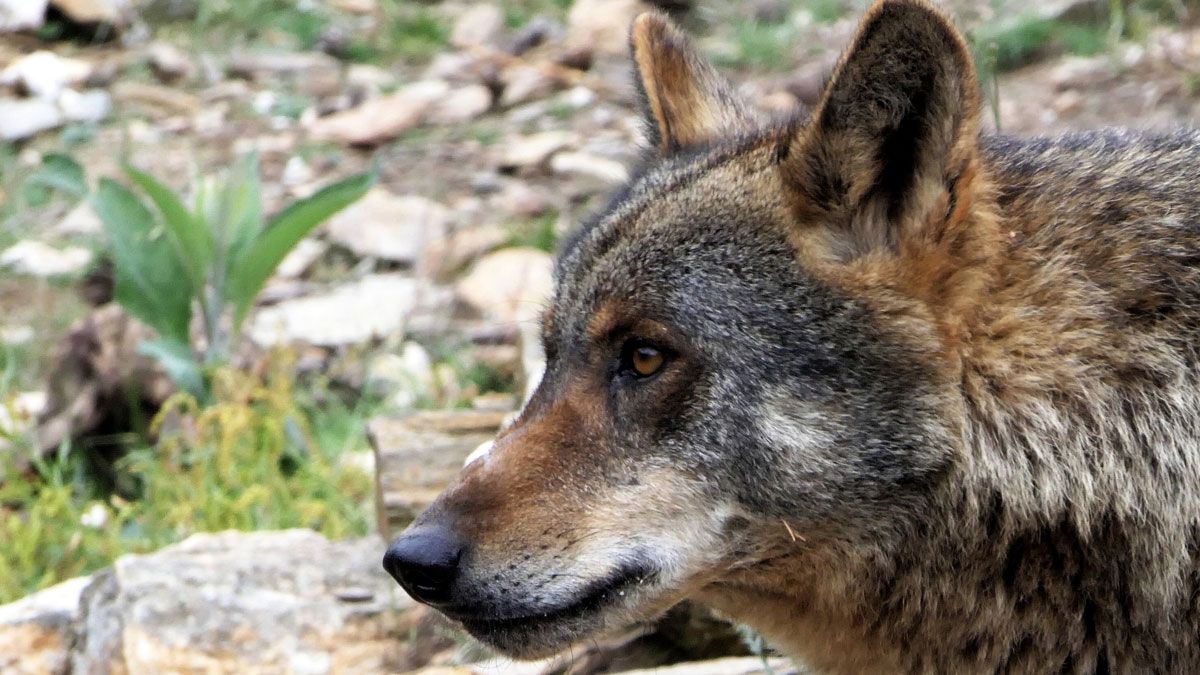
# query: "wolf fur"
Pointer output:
{"type": "Point", "coordinates": [930, 398]}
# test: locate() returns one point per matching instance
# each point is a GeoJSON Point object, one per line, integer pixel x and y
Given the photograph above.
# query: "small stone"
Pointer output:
{"type": "Point", "coordinates": [375, 306]}
{"type": "Point", "coordinates": [1068, 103]}
{"type": "Point", "coordinates": [305, 254]}
{"type": "Point", "coordinates": [381, 119]}
{"type": "Point", "coordinates": [520, 200]}
{"type": "Point", "coordinates": [539, 30]}
{"type": "Point", "coordinates": [523, 83]}
{"type": "Point", "coordinates": [45, 75]}
{"type": "Point", "coordinates": [510, 285]}
{"type": "Point", "coordinates": [446, 256]}
{"type": "Point", "coordinates": [169, 63]}
{"type": "Point", "coordinates": [168, 100]}
{"type": "Point", "coordinates": [296, 172]}
{"type": "Point", "coordinates": [89, 106]}
{"type": "Point", "coordinates": [528, 152]}
{"type": "Point", "coordinates": [22, 118]}
{"type": "Point", "coordinates": [479, 26]}
{"type": "Point", "coordinates": [37, 632]}
{"type": "Point", "coordinates": [602, 25]}
{"type": "Point", "coordinates": [42, 260]}
{"type": "Point", "coordinates": [112, 12]}
{"type": "Point", "coordinates": [461, 105]}
{"type": "Point", "coordinates": [387, 226]}
{"type": "Point", "coordinates": [608, 171]}
{"type": "Point", "coordinates": [15, 336]}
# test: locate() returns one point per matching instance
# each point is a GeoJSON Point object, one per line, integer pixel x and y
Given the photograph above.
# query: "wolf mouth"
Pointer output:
{"type": "Point", "coordinates": [595, 598]}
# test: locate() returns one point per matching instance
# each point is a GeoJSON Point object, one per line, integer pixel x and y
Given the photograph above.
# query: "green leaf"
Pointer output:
{"type": "Point", "coordinates": [61, 172]}
{"type": "Point", "coordinates": [256, 264]}
{"type": "Point", "coordinates": [192, 240]}
{"type": "Point", "coordinates": [179, 362]}
{"type": "Point", "coordinates": [151, 282]}
{"type": "Point", "coordinates": [241, 205]}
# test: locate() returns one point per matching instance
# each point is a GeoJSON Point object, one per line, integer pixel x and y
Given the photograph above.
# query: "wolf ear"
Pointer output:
{"type": "Point", "coordinates": [894, 136]}
{"type": "Point", "coordinates": [684, 101]}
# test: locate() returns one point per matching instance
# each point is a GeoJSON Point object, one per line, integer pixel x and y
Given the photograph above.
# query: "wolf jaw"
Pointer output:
{"type": "Point", "coordinates": [926, 400]}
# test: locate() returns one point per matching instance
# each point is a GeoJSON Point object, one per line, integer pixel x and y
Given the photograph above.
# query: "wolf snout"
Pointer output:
{"type": "Point", "coordinates": [425, 562]}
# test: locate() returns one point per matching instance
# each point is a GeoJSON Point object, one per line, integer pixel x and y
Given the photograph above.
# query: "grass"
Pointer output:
{"type": "Point", "coordinates": [263, 456]}
{"type": "Point", "coordinates": [539, 232]}
{"type": "Point", "coordinates": [1015, 42]}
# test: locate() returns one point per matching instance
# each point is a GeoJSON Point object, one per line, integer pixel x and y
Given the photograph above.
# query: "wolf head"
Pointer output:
{"type": "Point", "coordinates": [749, 351]}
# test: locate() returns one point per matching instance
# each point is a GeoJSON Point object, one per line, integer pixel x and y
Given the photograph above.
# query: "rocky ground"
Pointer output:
{"type": "Point", "coordinates": [494, 128]}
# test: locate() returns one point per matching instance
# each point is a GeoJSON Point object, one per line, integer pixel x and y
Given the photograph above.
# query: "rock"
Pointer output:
{"type": "Point", "coordinates": [387, 226]}
{"type": "Point", "coordinates": [375, 306]}
{"type": "Point", "coordinates": [89, 106]}
{"type": "Point", "coordinates": [520, 200]}
{"type": "Point", "coordinates": [607, 171]}
{"type": "Point", "coordinates": [362, 7]}
{"type": "Point", "coordinates": [510, 285]}
{"type": "Point", "coordinates": [270, 67]}
{"type": "Point", "coordinates": [447, 255]}
{"type": "Point", "coordinates": [45, 75]}
{"type": "Point", "coordinates": [288, 601]}
{"type": "Point", "coordinates": [1068, 103]}
{"type": "Point", "coordinates": [113, 12]}
{"type": "Point", "coordinates": [523, 83]}
{"type": "Point", "coordinates": [17, 15]}
{"type": "Point", "coordinates": [22, 118]}
{"type": "Point", "coordinates": [42, 260]}
{"type": "Point", "coordinates": [734, 665]}
{"type": "Point", "coordinates": [169, 63]}
{"type": "Point", "coordinates": [417, 455]}
{"type": "Point", "coordinates": [306, 253]}
{"type": "Point", "coordinates": [36, 632]}
{"type": "Point", "coordinates": [479, 26]}
{"type": "Point", "coordinates": [381, 119]}
{"type": "Point", "coordinates": [528, 152]}
{"type": "Point", "coordinates": [602, 26]}
{"type": "Point", "coordinates": [461, 105]}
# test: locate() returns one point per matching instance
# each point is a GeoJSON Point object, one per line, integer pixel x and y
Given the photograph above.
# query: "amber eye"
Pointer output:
{"type": "Point", "coordinates": [643, 360]}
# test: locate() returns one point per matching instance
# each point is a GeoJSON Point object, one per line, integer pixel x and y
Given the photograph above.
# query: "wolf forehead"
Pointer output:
{"type": "Point", "coordinates": [717, 213]}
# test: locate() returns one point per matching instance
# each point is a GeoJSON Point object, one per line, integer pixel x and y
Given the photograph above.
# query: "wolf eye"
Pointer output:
{"type": "Point", "coordinates": [641, 360]}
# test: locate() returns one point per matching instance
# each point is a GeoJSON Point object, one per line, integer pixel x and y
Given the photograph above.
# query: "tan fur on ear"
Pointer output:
{"type": "Point", "coordinates": [685, 101]}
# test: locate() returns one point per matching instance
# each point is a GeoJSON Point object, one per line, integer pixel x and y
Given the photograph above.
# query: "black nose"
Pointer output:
{"type": "Point", "coordinates": [425, 562]}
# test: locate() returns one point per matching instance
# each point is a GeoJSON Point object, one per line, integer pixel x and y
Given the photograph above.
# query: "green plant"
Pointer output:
{"type": "Point", "coordinates": [539, 232]}
{"type": "Point", "coordinates": [256, 457]}
{"type": "Point", "coordinates": [216, 256]}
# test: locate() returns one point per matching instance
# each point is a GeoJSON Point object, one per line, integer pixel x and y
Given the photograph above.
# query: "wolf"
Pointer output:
{"type": "Point", "coordinates": [901, 395]}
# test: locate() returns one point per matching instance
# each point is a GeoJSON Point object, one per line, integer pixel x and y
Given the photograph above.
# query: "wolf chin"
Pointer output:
{"type": "Point", "coordinates": [900, 395]}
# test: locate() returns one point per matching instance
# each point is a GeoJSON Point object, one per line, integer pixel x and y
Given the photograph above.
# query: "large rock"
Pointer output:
{"type": "Point", "coordinates": [286, 602]}
{"type": "Point", "coordinates": [602, 25]}
{"type": "Point", "coordinates": [375, 306]}
{"type": "Point", "coordinates": [21, 14]}
{"type": "Point", "coordinates": [381, 119]}
{"type": "Point", "coordinates": [510, 285]}
{"type": "Point", "coordinates": [390, 227]}
{"type": "Point", "coordinates": [36, 632]}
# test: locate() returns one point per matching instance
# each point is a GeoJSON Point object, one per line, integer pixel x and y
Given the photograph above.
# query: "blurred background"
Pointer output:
{"type": "Point", "coordinates": [270, 269]}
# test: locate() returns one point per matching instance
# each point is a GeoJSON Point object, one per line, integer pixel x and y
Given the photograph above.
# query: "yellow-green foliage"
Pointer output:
{"type": "Point", "coordinates": [248, 461]}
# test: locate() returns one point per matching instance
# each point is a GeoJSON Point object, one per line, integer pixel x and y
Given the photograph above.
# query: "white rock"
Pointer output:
{"type": "Point", "coordinates": [513, 284]}
{"type": "Point", "coordinates": [388, 226]}
{"type": "Point", "coordinates": [605, 170]}
{"type": "Point", "coordinates": [602, 25]}
{"type": "Point", "coordinates": [18, 15]}
{"type": "Point", "coordinates": [15, 336]}
{"type": "Point", "coordinates": [94, 11]}
{"type": "Point", "coordinates": [42, 260]}
{"type": "Point", "coordinates": [37, 631]}
{"type": "Point", "coordinates": [296, 172]}
{"type": "Point", "coordinates": [524, 83]}
{"type": "Point", "coordinates": [80, 220]}
{"type": "Point", "coordinates": [375, 306]}
{"type": "Point", "coordinates": [44, 74]}
{"type": "Point", "coordinates": [461, 105]}
{"type": "Point", "coordinates": [525, 152]}
{"type": "Point", "coordinates": [22, 118]}
{"type": "Point", "coordinates": [408, 374]}
{"type": "Point", "coordinates": [381, 119]}
{"type": "Point", "coordinates": [306, 253]}
{"type": "Point", "coordinates": [479, 26]}
{"type": "Point", "coordinates": [92, 105]}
